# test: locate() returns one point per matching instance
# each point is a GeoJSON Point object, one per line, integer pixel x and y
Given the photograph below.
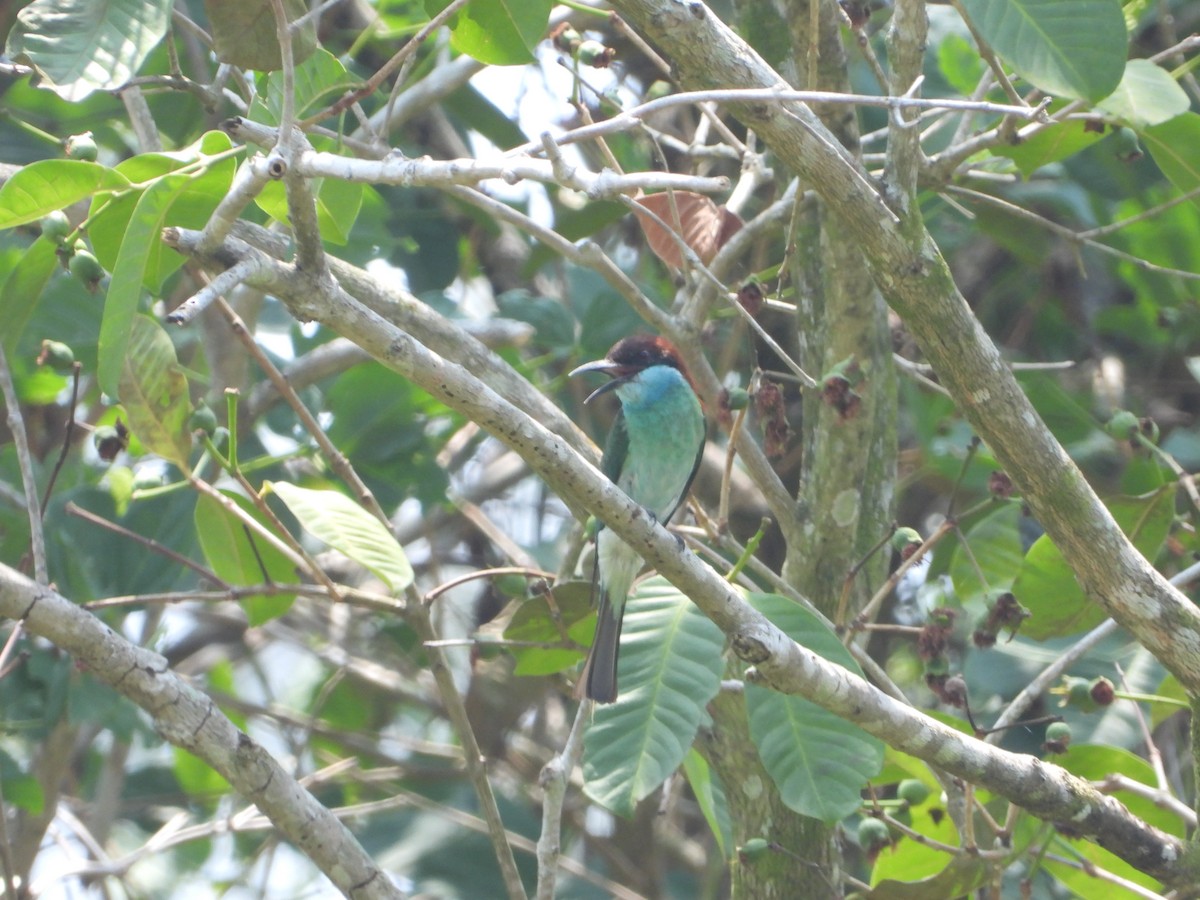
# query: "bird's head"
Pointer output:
{"type": "Point", "coordinates": [629, 357]}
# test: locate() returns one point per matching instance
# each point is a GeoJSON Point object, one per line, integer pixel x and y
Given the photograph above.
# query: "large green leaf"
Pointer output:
{"type": "Point", "coordinates": [49, 184]}
{"type": "Point", "coordinates": [819, 762]}
{"type": "Point", "coordinates": [992, 546]}
{"type": "Point", "coordinates": [533, 623]}
{"type": "Point", "coordinates": [710, 797]}
{"type": "Point", "coordinates": [23, 287]}
{"type": "Point", "coordinates": [670, 667]}
{"type": "Point", "coordinates": [497, 32]}
{"type": "Point", "coordinates": [241, 559]}
{"type": "Point", "coordinates": [246, 35]}
{"type": "Point", "coordinates": [177, 198]}
{"type": "Point", "coordinates": [154, 392]}
{"type": "Point", "coordinates": [1173, 145]}
{"type": "Point", "coordinates": [1046, 585]}
{"type": "Point", "coordinates": [208, 181]}
{"type": "Point", "coordinates": [80, 46]}
{"type": "Point", "coordinates": [1070, 48]}
{"type": "Point", "coordinates": [348, 528]}
{"type": "Point", "coordinates": [1147, 95]}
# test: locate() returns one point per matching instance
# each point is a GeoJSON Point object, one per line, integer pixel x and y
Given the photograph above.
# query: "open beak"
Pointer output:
{"type": "Point", "coordinates": [608, 367]}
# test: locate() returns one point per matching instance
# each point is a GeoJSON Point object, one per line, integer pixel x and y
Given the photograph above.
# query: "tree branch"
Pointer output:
{"type": "Point", "coordinates": [189, 719]}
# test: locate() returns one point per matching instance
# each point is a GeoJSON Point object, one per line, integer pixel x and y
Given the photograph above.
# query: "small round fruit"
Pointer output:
{"type": "Point", "coordinates": [1123, 425]}
{"type": "Point", "coordinates": [58, 356]}
{"type": "Point", "coordinates": [56, 226]}
{"type": "Point", "coordinates": [912, 791]}
{"type": "Point", "coordinates": [1058, 731]}
{"type": "Point", "coordinates": [81, 146]}
{"type": "Point", "coordinates": [86, 268]}
{"type": "Point", "coordinates": [754, 848]}
{"type": "Point", "coordinates": [739, 398]}
{"type": "Point", "coordinates": [905, 538]}
{"type": "Point", "coordinates": [873, 834]}
{"type": "Point", "coordinates": [203, 419]}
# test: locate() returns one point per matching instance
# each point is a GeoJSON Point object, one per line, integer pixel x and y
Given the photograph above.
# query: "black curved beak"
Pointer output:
{"type": "Point", "coordinates": [600, 365]}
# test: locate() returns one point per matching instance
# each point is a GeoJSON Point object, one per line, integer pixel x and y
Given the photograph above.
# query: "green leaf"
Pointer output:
{"type": "Point", "coordinates": [993, 547]}
{"type": "Point", "coordinates": [1070, 48]}
{"type": "Point", "coordinates": [532, 621]}
{"type": "Point", "coordinates": [196, 778]}
{"type": "Point", "coordinates": [893, 877]}
{"type": "Point", "coordinates": [819, 762]}
{"type": "Point", "coordinates": [239, 557]}
{"type": "Point", "coordinates": [193, 205]}
{"type": "Point", "coordinates": [478, 113]}
{"type": "Point", "coordinates": [670, 667]}
{"type": "Point", "coordinates": [1147, 95]}
{"type": "Point", "coordinates": [183, 199]}
{"type": "Point", "coordinates": [959, 63]}
{"type": "Point", "coordinates": [710, 797]}
{"type": "Point", "coordinates": [154, 392]}
{"type": "Point", "coordinates": [246, 35]}
{"type": "Point", "coordinates": [80, 46]}
{"type": "Point", "coordinates": [1173, 145]}
{"type": "Point", "coordinates": [497, 32]}
{"type": "Point", "coordinates": [1047, 586]}
{"type": "Point", "coordinates": [23, 288]}
{"type": "Point", "coordinates": [1051, 144]}
{"type": "Point", "coordinates": [554, 323]}
{"type": "Point", "coordinates": [42, 187]}
{"type": "Point", "coordinates": [318, 79]}
{"type": "Point", "coordinates": [348, 528]}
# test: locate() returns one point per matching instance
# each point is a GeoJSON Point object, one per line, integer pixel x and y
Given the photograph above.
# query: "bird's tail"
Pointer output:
{"type": "Point", "coordinates": [600, 673]}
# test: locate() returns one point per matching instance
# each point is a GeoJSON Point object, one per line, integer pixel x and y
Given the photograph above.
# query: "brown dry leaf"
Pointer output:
{"type": "Point", "coordinates": [704, 226]}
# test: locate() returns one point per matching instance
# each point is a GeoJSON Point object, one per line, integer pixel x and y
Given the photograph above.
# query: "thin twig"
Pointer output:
{"type": "Point", "coordinates": [150, 544]}
{"type": "Point", "coordinates": [16, 425]}
{"type": "Point", "coordinates": [554, 779]}
{"type": "Point", "coordinates": [421, 622]}
{"type": "Point", "coordinates": [68, 434]}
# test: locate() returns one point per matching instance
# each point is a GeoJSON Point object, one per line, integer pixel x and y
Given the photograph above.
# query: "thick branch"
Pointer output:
{"type": "Point", "coordinates": [189, 719]}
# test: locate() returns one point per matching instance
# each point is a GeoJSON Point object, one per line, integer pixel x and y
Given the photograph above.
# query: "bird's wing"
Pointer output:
{"type": "Point", "coordinates": [615, 449]}
{"type": "Point", "coordinates": [687, 485]}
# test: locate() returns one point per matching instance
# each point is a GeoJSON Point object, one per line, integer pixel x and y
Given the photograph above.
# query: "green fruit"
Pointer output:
{"type": "Point", "coordinates": [913, 792]}
{"type": "Point", "coordinates": [1127, 147]}
{"type": "Point", "coordinates": [86, 268]}
{"type": "Point", "coordinates": [754, 848]}
{"type": "Point", "coordinates": [872, 834]}
{"type": "Point", "coordinates": [905, 537]}
{"type": "Point", "coordinates": [203, 419]}
{"type": "Point", "coordinates": [594, 53]}
{"type": "Point", "coordinates": [739, 398]}
{"type": "Point", "coordinates": [81, 146]}
{"type": "Point", "coordinates": [1123, 425]}
{"type": "Point", "coordinates": [56, 226]}
{"type": "Point", "coordinates": [1059, 732]}
{"type": "Point", "coordinates": [58, 356]}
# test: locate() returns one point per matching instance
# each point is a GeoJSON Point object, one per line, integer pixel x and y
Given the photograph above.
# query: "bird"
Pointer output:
{"type": "Point", "coordinates": [652, 453]}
